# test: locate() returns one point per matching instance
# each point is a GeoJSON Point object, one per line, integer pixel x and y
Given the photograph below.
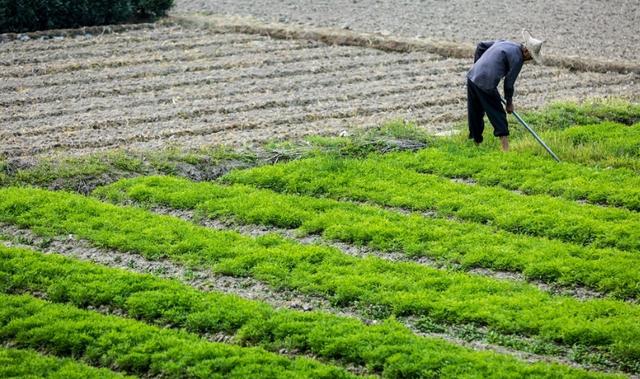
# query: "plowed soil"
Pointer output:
{"type": "Point", "coordinates": [584, 28]}
{"type": "Point", "coordinates": [191, 87]}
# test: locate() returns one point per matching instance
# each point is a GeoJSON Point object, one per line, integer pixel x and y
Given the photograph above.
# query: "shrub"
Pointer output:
{"type": "Point", "coordinates": [151, 8]}
{"type": "Point", "coordinates": [30, 15]}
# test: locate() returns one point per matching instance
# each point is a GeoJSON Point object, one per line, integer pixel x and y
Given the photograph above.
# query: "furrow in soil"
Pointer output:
{"type": "Point", "coordinates": [127, 48]}
{"type": "Point", "coordinates": [221, 85]}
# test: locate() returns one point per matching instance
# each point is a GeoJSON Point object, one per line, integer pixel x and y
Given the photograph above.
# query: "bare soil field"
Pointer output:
{"type": "Point", "coordinates": [585, 28]}
{"type": "Point", "coordinates": [192, 87]}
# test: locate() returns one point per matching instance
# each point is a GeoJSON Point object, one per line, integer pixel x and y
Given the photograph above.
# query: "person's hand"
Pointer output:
{"type": "Point", "coordinates": [509, 108]}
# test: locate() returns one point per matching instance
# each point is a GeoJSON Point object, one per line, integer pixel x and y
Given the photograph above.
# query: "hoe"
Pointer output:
{"type": "Point", "coordinates": [534, 134]}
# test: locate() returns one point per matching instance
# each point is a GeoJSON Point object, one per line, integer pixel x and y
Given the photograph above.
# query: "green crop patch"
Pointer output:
{"type": "Point", "coordinates": [416, 200]}
{"type": "Point", "coordinates": [388, 348]}
{"type": "Point", "coordinates": [396, 288]}
{"type": "Point", "coordinates": [562, 115]}
{"type": "Point", "coordinates": [604, 145]}
{"type": "Point", "coordinates": [136, 348]}
{"type": "Point", "coordinates": [387, 183]}
{"type": "Point", "coordinates": [607, 270]}
{"type": "Point", "coordinates": [526, 172]}
{"type": "Point", "coordinates": [19, 363]}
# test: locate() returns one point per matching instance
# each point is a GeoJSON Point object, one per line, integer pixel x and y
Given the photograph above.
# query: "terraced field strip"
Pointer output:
{"type": "Point", "coordinates": [261, 98]}
{"type": "Point", "coordinates": [253, 323]}
{"type": "Point", "coordinates": [536, 174]}
{"type": "Point", "coordinates": [175, 56]}
{"type": "Point", "coordinates": [370, 180]}
{"type": "Point", "coordinates": [606, 270]}
{"type": "Point", "coordinates": [155, 78]}
{"type": "Point", "coordinates": [124, 48]}
{"type": "Point", "coordinates": [360, 251]}
{"type": "Point", "coordinates": [475, 338]}
{"type": "Point", "coordinates": [226, 24]}
{"type": "Point", "coordinates": [86, 34]}
{"type": "Point", "coordinates": [20, 363]}
{"type": "Point", "coordinates": [438, 117]}
{"type": "Point", "coordinates": [139, 349]}
{"type": "Point", "coordinates": [394, 104]}
{"type": "Point", "coordinates": [195, 87]}
{"type": "Point", "coordinates": [609, 327]}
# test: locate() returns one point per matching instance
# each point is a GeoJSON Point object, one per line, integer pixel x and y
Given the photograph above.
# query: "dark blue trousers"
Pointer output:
{"type": "Point", "coordinates": [480, 102]}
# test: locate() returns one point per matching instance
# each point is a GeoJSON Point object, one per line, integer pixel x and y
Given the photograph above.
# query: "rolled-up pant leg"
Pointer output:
{"type": "Point", "coordinates": [489, 103]}
{"type": "Point", "coordinates": [475, 112]}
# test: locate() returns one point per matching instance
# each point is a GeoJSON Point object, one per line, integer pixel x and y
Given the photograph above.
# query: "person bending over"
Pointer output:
{"type": "Point", "coordinates": [493, 61]}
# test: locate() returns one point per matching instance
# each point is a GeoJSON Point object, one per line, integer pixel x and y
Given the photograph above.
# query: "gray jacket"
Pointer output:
{"type": "Point", "coordinates": [495, 60]}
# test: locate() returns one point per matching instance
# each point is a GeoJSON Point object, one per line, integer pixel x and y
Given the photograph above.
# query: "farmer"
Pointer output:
{"type": "Point", "coordinates": [493, 61]}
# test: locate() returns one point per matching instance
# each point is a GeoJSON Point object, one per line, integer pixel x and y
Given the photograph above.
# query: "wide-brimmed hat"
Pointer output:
{"type": "Point", "coordinates": [533, 45]}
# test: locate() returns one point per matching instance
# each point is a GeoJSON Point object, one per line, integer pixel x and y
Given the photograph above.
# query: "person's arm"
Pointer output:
{"type": "Point", "coordinates": [515, 65]}
{"type": "Point", "coordinates": [481, 48]}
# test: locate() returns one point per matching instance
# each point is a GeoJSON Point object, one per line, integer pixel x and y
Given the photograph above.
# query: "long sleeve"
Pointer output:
{"type": "Point", "coordinates": [481, 48]}
{"type": "Point", "coordinates": [514, 67]}
{"type": "Point", "coordinates": [497, 60]}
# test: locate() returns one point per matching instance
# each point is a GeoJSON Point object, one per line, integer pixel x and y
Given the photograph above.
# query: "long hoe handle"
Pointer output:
{"type": "Point", "coordinates": [534, 134]}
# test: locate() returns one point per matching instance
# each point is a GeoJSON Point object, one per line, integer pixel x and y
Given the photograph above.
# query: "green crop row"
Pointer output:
{"type": "Point", "coordinates": [616, 138]}
{"type": "Point", "coordinates": [136, 348]}
{"type": "Point", "coordinates": [388, 183]}
{"type": "Point", "coordinates": [551, 122]}
{"type": "Point", "coordinates": [606, 270]}
{"type": "Point", "coordinates": [603, 145]}
{"type": "Point", "coordinates": [390, 287]}
{"type": "Point", "coordinates": [526, 172]}
{"type": "Point", "coordinates": [387, 348]}
{"type": "Point", "coordinates": [83, 173]}
{"type": "Point", "coordinates": [27, 364]}
{"type": "Point", "coordinates": [562, 115]}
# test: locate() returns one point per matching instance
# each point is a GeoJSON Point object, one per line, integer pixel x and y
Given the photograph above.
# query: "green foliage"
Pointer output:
{"type": "Point", "coordinates": [17, 363]}
{"type": "Point", "coordinates": [526, 172]}
{"type": "Point", "coordinates": [405, 288]}
{"type": "Point", "coordinates": [607, 270]}
{"type": "Point", "coordinates": [386, 182]}
{"type": "Point", "coordinates": [30, 15]}
{"type": "Point", "coordinates": [561, 115]}
{"type": "Point", "coordinates": [605, 145]}
{"type": "Point", "coordinates": [136, 348]}
{"type": "Point", "coordinates": [324, 335]}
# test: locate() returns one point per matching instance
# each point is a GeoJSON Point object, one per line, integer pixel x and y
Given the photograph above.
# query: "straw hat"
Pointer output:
{"type": "Point", "coordinates": [533, 45]}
